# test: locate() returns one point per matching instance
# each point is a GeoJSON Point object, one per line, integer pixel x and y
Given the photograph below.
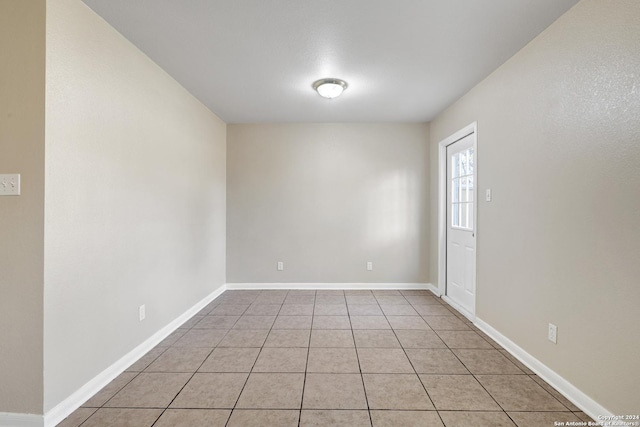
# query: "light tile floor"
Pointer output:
{"type": "Point", "coordinates": [326, 358]}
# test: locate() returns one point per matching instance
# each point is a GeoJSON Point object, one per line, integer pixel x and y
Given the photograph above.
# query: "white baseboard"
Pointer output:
{"type": "Point", "coordinates": [460, 309]}
{"type": "Point", "coordinates": [8, 419]}
{"type": "Point", "coordinates": [434, 289]}
{"type": "Point", "coordinates": [568, 390]}
{"type": "Point", "coordinates": [350, 286]}
{"type": "Point", "coordinates": [73, 402]}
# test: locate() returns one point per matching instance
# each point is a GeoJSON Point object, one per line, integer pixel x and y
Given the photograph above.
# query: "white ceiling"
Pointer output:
{"type": "Point", "coordinates": [255, 60]}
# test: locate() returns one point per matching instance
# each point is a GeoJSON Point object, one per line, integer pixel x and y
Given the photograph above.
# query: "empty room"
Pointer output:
{"type": "Point", "coordinates": [336, 213]}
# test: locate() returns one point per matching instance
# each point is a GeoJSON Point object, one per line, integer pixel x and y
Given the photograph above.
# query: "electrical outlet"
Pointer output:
{"type": "Point", "coordinates": [280, 266]}
{"type": "Point", "coordinates": [142, 312]}
{"type": "Point", "coordinates": [369, 266]}
{"type": "Point", "coordinates": [10, 184]}
{"type": "Point", "coordinates": [553, 333]}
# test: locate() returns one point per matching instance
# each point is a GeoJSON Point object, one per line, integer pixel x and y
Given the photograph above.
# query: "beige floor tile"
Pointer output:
{"type": "Point", "coordinates": [328, 292]}
{"type": "Point", "coordinates": [263, 418]}
{"type": "Point", "coordinates": [435, 361]}
{"type": "Point", "coordinates": [230, 359]}
{"type": "Point", "coordinates": [331, 338]}
{"type": "Point", "coordinates": [331, 322]}
{"type": "Point", "coordinates": [476, 419]}
{"type": "Point", "coordinates": [516, 362]}
{"type": "Point", "coordinates": [288, 338]}
{"type": "Point", "coordinates": [486, 337]}
{"type": "Point", "coordinates": [141, 364]}
{"type": "Point", "coordinates": [365, 310]}
{"type": "Point", "coordinates": [244, 338]}
{"type": "Point", "coordinates": [419, 339]}
{"type": "Point", "coordinates": [358, 292]}
{"type": "Point", "coordinates": [334, 391]}
{"type": "Point", "coordinates": [396, 391]}
{"type": "Point", "coordinates": [263, 310]}
{"type": "Point", "coordinates": [432, 310]}
{"type": "Point", "coordinates": [424, 292]}
{"type": "Point", "coordinates": [296, 310]}
{"type": "Point", "coordinates": [315, 418]}
{"type": "Point", "coordinates": [274, 292]}
{"type": "Point", "coordinates": [229, 310]}
{"type": "Point", "coordinates": [236, 300]}
{"type": "Point", "coordinates": [458, 393]}
{"type": "Point", "coordinates": [583, 416]}
{"type": "Point", "coordinates": [408, 322]}
{"type": "Point", "coordinates": [405, 419]}
{"type": "Point", "coordinates": [384, 361]}
{"type": "Point", "coordinates": [101, 397]}
{"type": "Point", "coordinates": [172, 337]}
{"type": "Point", "coordinates": [293, 322]}
{"type": "Point", "coordinates": [528, 419]}
{"type": "Point", "coordinates": [389, 300]}
{"type": "Point", "coordinates": [398, 310]}
{"type": "Point", "coordinates": [300, 299]}
{"type": "Point", "coordinates": [384, 338]}
{"type": "Point", "coordinates": [333, 360]}
{"type": "Point", "coordinates": [177, 359]}
{"type": "Point", "coordinates": [281, 360]}
{"type": "Point", "coordinates": [301, 292]}
{"type": "Point", "coordinates": [149, 390]}
{"type": "Point", "coordinates": [193, 418]}
{"type": "Point", "coordinates": [191, 322]}
{"type": "Point", "coordinates": [208, 338]}
{"type": "Point", "coordinates": [519, 393]}
{"type": "Point", "coordinates": [122, 417]}
{"type": "Point", "coordinates": [386, 292]}
{"type": "Point", "coordinates": [330, 310]}
{"type": "Point", "coordinates": [463, 339]}
{"type": "Point", "coordinates": [272, 391]}
{"type": "Point", "coordinates": [77, 417]}
{"type": "Point", "coordinates": [486, 362]}
{"type": "Point", "coordinates": [254, 322]}
{"type": "Point", "coordinates": [207, 390]}
{"type": "Point", "coordinates": [330, 299]}
{"type": "Point", "coordinates": [217, 322]}
{"type": "Point", "coordinates": [270, 299]}
{"type": "Point", "coordinates": [422, 300]}
{"type": "Point", "coordinates": [360, 299]}
{"type": "Point", "coordinates": [446, 323]}
{"type": "Point", "coordinates": [566, 402]}
{"type": "Point", "coordinates": [369, 322]}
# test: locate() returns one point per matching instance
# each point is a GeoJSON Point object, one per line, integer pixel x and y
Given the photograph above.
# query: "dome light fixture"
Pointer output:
{"type": "Point", "coordinates": [330, 88]}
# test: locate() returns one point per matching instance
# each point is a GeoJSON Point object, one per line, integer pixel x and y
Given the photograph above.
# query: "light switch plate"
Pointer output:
{"type": "Point", "coordinates": [10, 184]}
{"type": "Point", "coordinates": [488, 195]}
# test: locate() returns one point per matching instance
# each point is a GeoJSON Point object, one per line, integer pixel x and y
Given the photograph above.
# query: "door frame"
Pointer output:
{"type": "Point", "coordinates": [442, 214]}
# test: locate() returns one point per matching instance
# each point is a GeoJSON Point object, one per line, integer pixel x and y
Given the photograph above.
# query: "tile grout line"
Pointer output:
{"type": "Point", "coordinates": [233, 409]}
{"type": "Point", "coordinates": [306, 365]}
{"type": "Point", "coordinates": [409, 359]}
{"type": "Point", "coordinates": [355, 346]}
{"type": "Point", "coordinates": [202, 363]}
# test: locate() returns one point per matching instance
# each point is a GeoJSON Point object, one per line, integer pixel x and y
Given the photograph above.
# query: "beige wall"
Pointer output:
{"type": "Point", "coordinates": [22, 76]}
{"type": "Point", "coordinates": [561, 120]}
{"type": "Point", "coordinates": [135, 198]}
{"type": "Point", "coordinates": [325, 199]}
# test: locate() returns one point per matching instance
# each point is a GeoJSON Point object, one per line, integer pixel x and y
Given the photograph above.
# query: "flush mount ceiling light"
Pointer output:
{"type": "Point", "coordinates": [330, 88]}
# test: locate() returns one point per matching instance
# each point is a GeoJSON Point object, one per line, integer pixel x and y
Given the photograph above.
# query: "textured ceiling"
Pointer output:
{"type": "Point", "coordinates": [255, 60]}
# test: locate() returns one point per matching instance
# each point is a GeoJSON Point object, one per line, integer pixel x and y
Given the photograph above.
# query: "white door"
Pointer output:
{"type": "Point", "coordinates": [461, 240]}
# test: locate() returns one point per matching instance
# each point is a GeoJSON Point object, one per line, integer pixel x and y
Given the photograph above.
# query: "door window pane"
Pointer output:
{"type": "Point", "coordinates": [462, 189]}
